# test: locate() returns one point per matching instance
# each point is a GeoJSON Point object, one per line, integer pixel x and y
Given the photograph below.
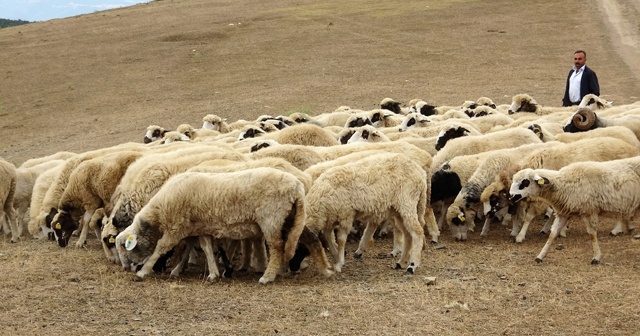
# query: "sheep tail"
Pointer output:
{"type": "Point", "coordinates": [294, 224]}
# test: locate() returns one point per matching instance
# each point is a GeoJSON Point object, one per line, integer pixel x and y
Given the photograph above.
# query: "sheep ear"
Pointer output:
{"type": "Point", "coordinates": [131, 242]}
{"type": "Point", "coordinates": [424, 120]}
{"type": "Point", "coordinates": [543, 181]}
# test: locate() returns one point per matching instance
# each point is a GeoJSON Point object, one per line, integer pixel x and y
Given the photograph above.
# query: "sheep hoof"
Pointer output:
{"type": "Point", "coordinates": [13, 241]}
{"type": "Point", "coordinates": [264, 280]}
{"type": "Point", "coordinates": [595, 261]}
{"type": "Point", "coordinates": [398, 266]}
{"type": "Point", "coordinates": [538, 260]}
{"type": "Point", "coordinates": [137, 278]}
{"type": "Point", "coordinates": [614, 234]}
{"type": "Point", "coordinates": [542, 233]}
{"type": "Point", "coordinates": [357, 254]}
{"type": "Point", "coordinates": [409, 271]}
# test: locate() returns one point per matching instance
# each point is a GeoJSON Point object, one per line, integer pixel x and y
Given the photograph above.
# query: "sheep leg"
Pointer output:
{"type": "Point", "coordinates": [184, 257]}
{"type": "Point", "coordinates": [86, 219]}
{"type": "Point", "coordinates": [622, 226]}
{"type": "Point", "coordinates": [532, 211]}
{"type": "Point", "coordinates": [329, 236]}
{"type": "Point", "coordinates": [367, 237]}
{"type": "Point", "coordinates": [207, 246]}
{"type": "Point", "coordinates": [558, 224]}
{"type": "Point", "coordinates": [20, 222]}
{"type": "Point", "coordinates": [164, 245]}
{"type": "Point", "coordinates": [398, 239]}
{"type": "Point", "coordinates": [417, 240]}
{"type": "Point", "coordinates": [245, 246]}
{"type": "Point", "coordinates": [276, 253]}
{"type": "Point", "coordinates": [259, 253]}
{"type": "Point", "coordinates": [10, 217]}
{"type": "Point", "coordinates": [486, 227]}
{"type": "Point", "coordinates": [341, 240]}
{"type": "Point", "coordinates": [316, 251]}
{"type": "Point", "coordinates": [406, 246]}
{"type": "Point", "coordinates": [547, 225]}
{"type": "Point", "coordinates": [592, 230]}
{"type": "Point", "coordinates": [432, 226]}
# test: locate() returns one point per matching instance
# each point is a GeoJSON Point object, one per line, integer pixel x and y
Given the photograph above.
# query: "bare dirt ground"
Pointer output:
{"type": "Point", "coordinates": [97, 80]}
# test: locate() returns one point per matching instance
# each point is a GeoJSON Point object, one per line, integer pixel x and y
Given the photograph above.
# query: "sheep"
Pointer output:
{"type": "Point", "coordinates": [560, 155]}
{"type": "Point", "coordinates": [89, 188]}
{"type": "Point", "coordinates": [173, 136]}
{"type": "Point", "coordinates": [367, 134]}
{"type": "Point", "coordinates": [586, 189]}
{"type": "Point", "coordinates": [485, 101]}
{"type": "Point", "coordinates": [7, 192]}
{"type": "Point", "coordinates": [584, 119]}
{"type": "Point", "coordinates": [525, 103]}
{"type": "Point", "coordinates": [414, 120]}
{"type": "Point", "coordinates": [145, 177]}
{"type": "Point", "coordinates": [56, 156]}
{"type": "Point", "coordinates": [467, 188]}
{"type": "Point", "coordinates": [481, 143]}
{"type": "Point", "coordinates": [304, 134]}
{"type": "Point", "coordinates": [393, 106]}
{"type": "Point", "coordinates": [25, 180]}
{"type": "Point", "coordinates": [154, 132]}
{"type": "Point", "coordinates": [193, 134]}
{"type": "Point", "coordinates": [258, 202]}
{"type": "Point", "coordinates": [358, 119]}
{"type": "Point", "coordinates": [426, 144]}
{"type": "Point", "coordinates": [594, 102]}
{"type": "Point", "coordinates": [489, 123]}
{"type": "Point", "coordinates": [483, 111]}
{"type": "Point", "coordinates": [216, 123]}
{"type": "Point", "coordinates": [371, 190]}
{"type": "Point", "coordinates": [40, 188]}
{"type": "Point", "coordinates": [300, 117]}
{"type": "Point", "coordinates": [331, 119]}
{"type": "Point", "coordinates": [383, 118]}
{"type": "Point", "coordinates": [450, 114]}
{"type": "Point", "coordinates": [300, 156]}
{"type": "Point", "coordinates": [426, 109]}
{"type": "Point", "coordinates": [619, 132]}
{"type": "Point", "coordinates": [452, 131]}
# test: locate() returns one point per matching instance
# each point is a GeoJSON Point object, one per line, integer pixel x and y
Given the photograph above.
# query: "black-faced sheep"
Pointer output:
{"type": "Point", "coordinates": [525, 103]}
{"type": "Point", "coordinates": [89, 188]}
{"type": "Point", "coordinates": [585, 189]}
{"type": "Point", "coordinates": [258, 202]}
{"type": "Point", "coordinates": [154, 132]}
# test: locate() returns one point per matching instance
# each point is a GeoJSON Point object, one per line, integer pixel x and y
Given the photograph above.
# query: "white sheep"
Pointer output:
{"type": "Point", "coordinates": [585, 119]}
{"type": "Point", "coordinates": [40, 187]}
{"type": "Point", "coordinates": [89, 188]}
{"type": "Point", "coordinates": [300, 156]}
{"type": "Point", "coordinates": [258, 202]}
{"type": "Point", "coordinates": [585, 189]}
{"type": "Point", "coordinates": [63, 155]}
{"type": "Point", "coordinates": [7, 191]}
{"type": "Point", "coordinates": [560, 155]}
{"type": "Point", "coordinates": [193, 134]}
{"type": "Point", "coordinates": [215, 123]}
{"type": "Point", "coordinates": [371, 190]}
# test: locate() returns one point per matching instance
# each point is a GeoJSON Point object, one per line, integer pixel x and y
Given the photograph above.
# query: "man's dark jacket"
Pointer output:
{"type": "Point", "coordinates": [588, 84]}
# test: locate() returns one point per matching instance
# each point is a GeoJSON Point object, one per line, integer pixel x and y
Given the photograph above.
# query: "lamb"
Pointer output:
{"type": "Point", "coordinates": [7, 192]}
{"type": "Point", "coordinates": [154, 132]}
{"type": "Point", "coordinates": [525, 103]}
{"type": "Point", "coordinates": [215, 123]}
{"type": "Point", "coordinates": [586, 189]}
{"type": "Point", "coordinates": [584, 119]}
{"type": "Point", "coordinates": [56, 156]}
{"type": "Point", "coordinates": [89, 188]}
{"type": "Point", "coordinates": [393, 185]}
{"type": "Point", "coordinates": [257, 202]}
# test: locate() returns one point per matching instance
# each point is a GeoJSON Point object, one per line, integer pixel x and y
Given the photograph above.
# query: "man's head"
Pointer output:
{"type": "Point", "coordinates": [579, 58]}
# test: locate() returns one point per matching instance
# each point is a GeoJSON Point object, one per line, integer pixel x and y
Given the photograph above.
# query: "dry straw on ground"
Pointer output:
{"type": "Point", "coordinates": [96, 80]}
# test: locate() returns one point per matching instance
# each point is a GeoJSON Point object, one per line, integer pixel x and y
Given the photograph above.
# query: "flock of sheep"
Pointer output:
{"type": "Point", "coordinates": [276, 191]}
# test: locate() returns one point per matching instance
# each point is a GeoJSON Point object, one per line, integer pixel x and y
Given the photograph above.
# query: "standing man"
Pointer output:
{"type": "Point", "coordinates": [581, 81]}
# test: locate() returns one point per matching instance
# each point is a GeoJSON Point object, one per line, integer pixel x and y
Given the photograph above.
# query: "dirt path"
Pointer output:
{"type": "Point", "coordinates": [621, 19]}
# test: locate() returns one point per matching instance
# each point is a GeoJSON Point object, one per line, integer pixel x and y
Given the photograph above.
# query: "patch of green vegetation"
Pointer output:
{"type": "Point", "coordinates": [11, 23]}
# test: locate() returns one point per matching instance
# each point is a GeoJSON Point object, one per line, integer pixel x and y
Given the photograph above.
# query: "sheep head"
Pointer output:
{"type": "Point", "coordinates": [583, 120]}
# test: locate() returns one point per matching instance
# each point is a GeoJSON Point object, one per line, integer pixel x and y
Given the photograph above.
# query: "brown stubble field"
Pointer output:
{"type": "Point", "coordinates": [100, 79]}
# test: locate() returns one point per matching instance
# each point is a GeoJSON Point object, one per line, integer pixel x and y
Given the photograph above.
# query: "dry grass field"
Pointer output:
{"type": "Point", "coordinates": [97, 80]}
